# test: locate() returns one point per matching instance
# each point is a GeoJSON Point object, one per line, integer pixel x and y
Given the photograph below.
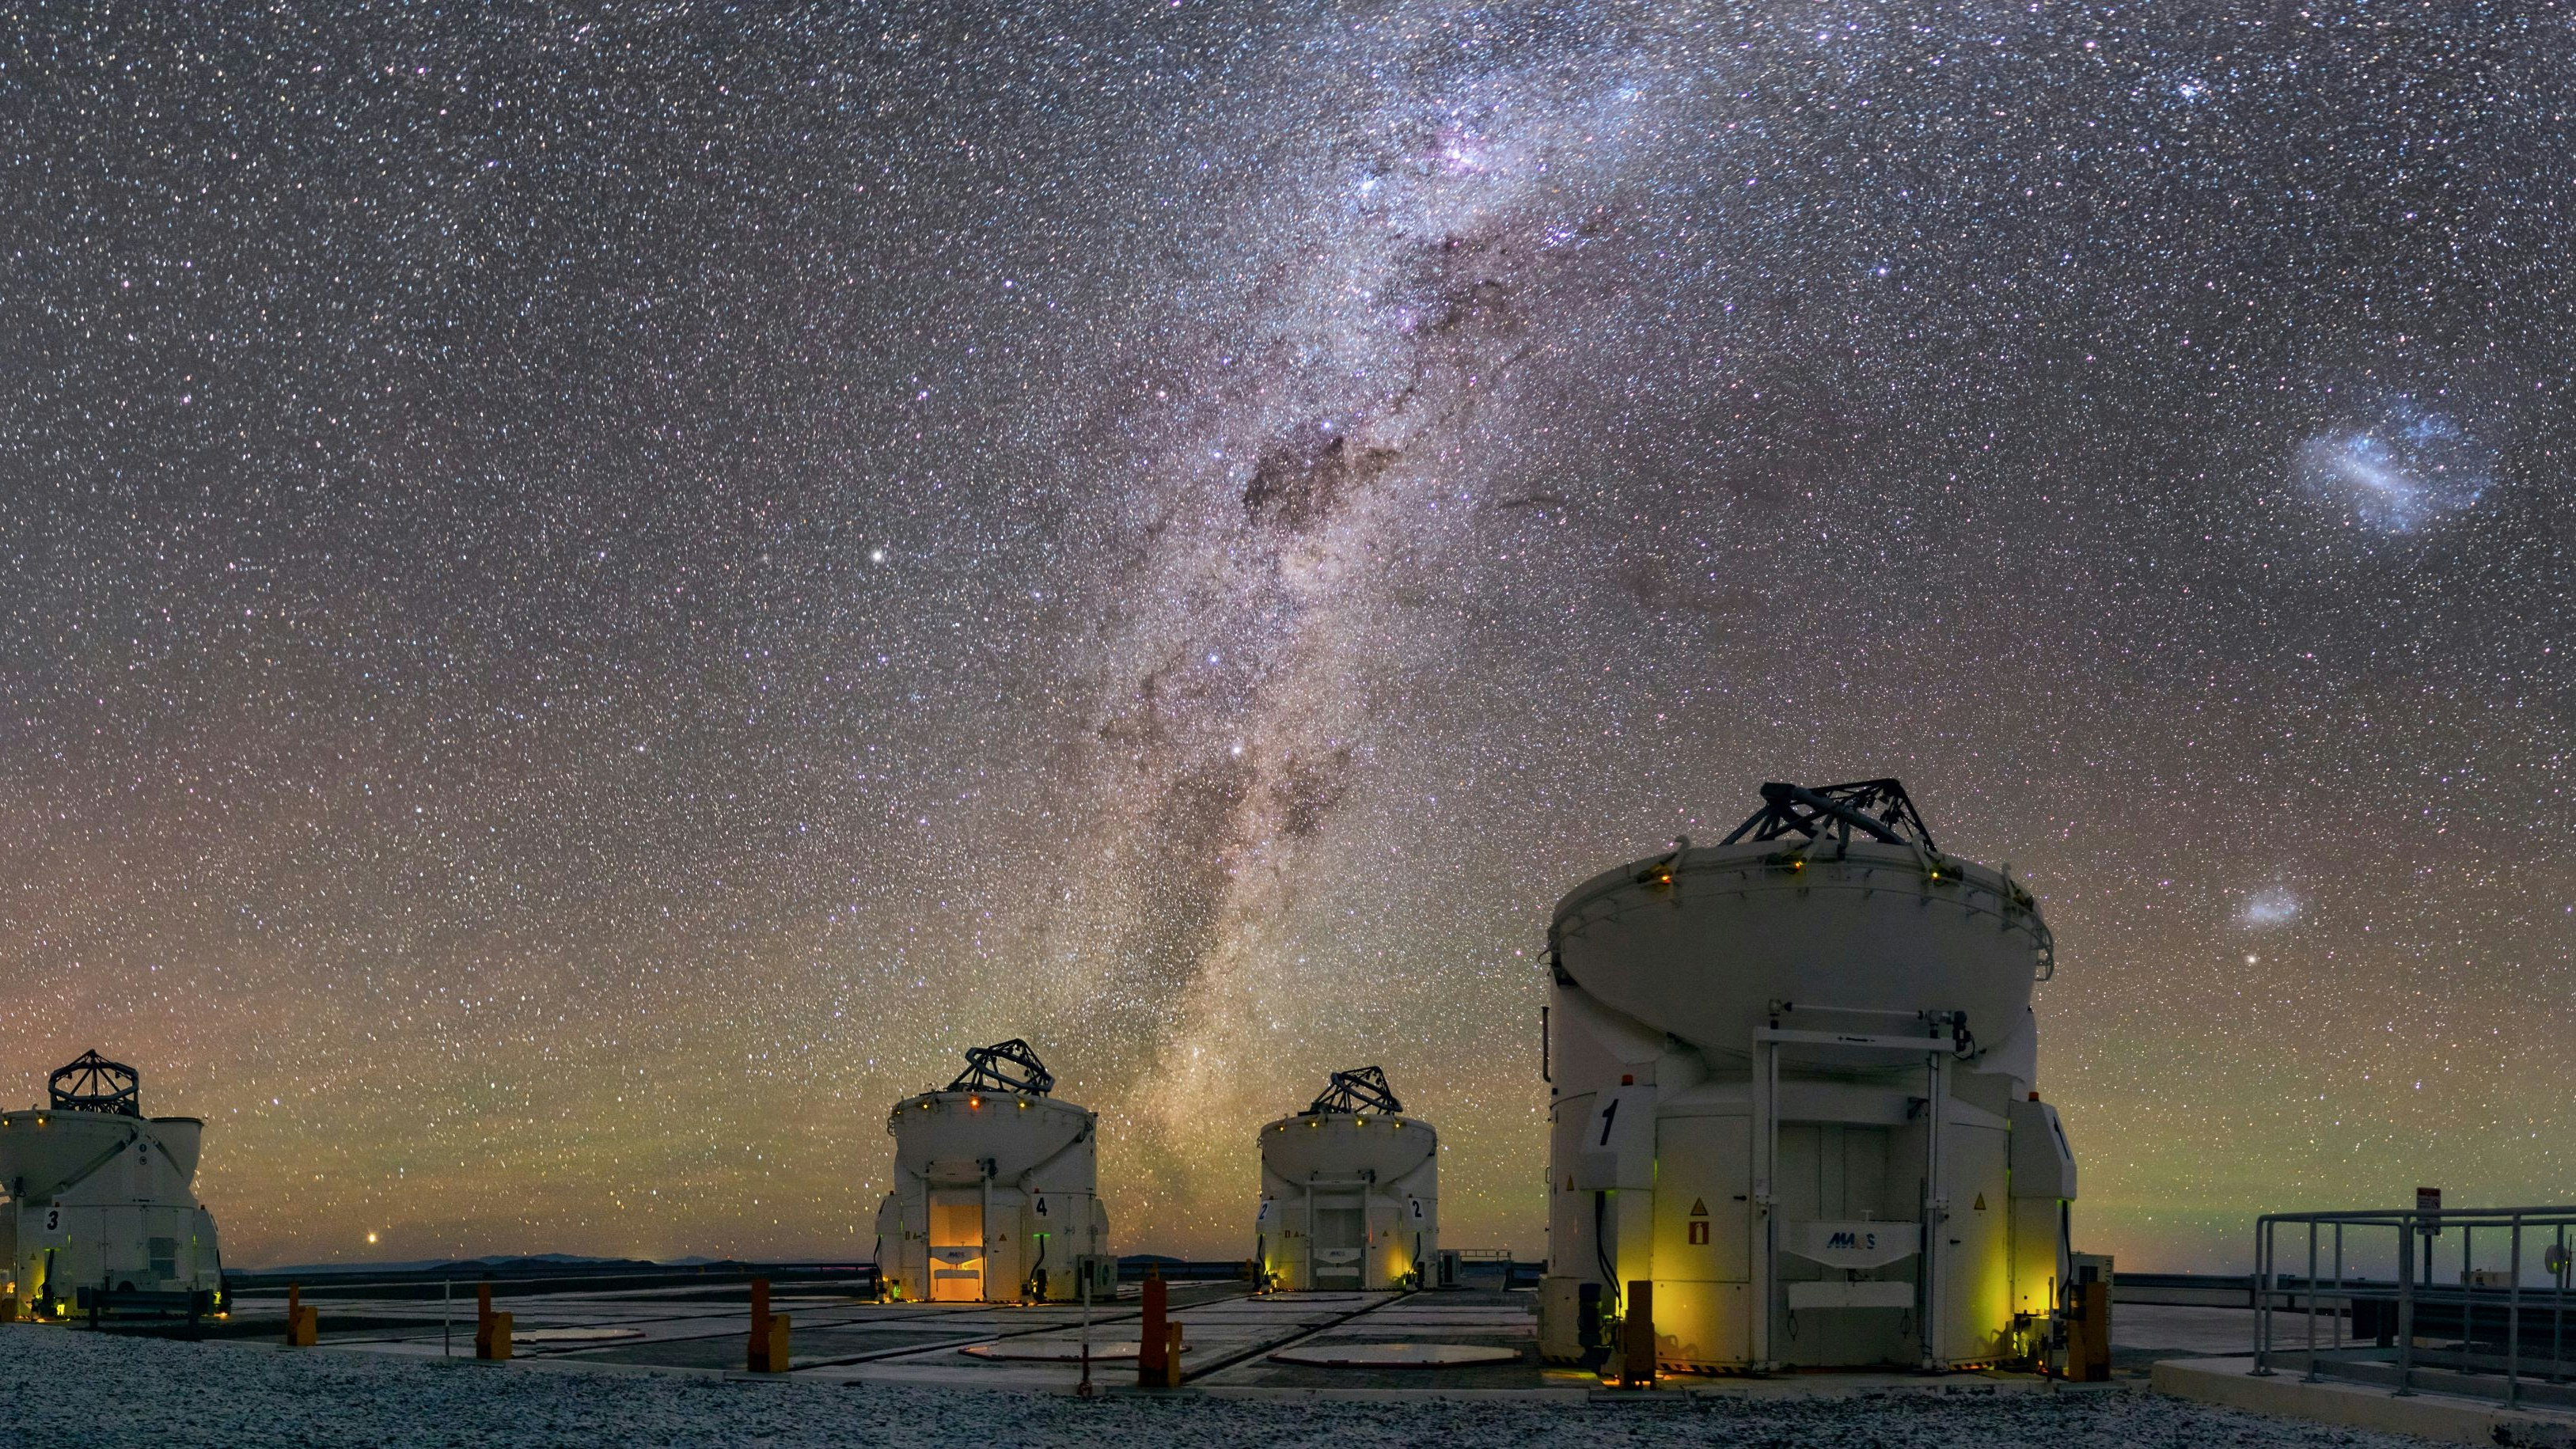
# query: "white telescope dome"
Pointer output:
{"type": "Point", "coordinates": [997, 1192]}
{"type": "Point", "coordinates": [1350, 1191]}
{"type": "Point", "coordinates": [1791, 1083]}
{"type": "Point", "coordinates": [101, 1196]}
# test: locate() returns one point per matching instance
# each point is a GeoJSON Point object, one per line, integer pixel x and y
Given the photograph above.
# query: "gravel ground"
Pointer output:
{"type": "Point", "coordinates": [72, 1389]}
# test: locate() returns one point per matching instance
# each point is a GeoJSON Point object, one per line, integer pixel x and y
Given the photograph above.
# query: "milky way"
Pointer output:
{"type": "Point", "coordinates": [1329, 443]}
{"type": "Point", "coordinates": [594, 596]}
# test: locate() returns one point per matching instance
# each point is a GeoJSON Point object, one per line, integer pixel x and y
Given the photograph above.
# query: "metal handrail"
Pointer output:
{"type": "Point", "coordinates": [2414, 1227]}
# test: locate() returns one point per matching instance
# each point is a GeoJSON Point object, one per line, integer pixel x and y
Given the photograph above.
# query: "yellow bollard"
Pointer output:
{"type": "Point", "coordinates": [491, 1330]}
{"type": "Point", "coordinates": [768, 1333]}
{"type": "Point", "coordinates": [303, 1323]}
{"type": "Point", "coordinates": [2088, 1336]}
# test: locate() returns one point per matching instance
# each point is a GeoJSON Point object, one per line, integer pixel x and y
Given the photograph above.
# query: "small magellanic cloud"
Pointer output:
{"type": "Point", "coordinates": [2276, 907]}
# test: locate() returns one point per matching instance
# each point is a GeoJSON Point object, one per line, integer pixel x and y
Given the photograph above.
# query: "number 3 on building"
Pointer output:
{"type": "Point", "coordinates": [53, 1219]}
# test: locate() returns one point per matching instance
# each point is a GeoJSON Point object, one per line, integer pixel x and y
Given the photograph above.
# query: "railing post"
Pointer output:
{"type": "Point", "coordinates": [2406, 1233]}
{"type": "Point", "coordinates": [2468, 1300]}
{"type": "Point", "coordinates": [2265, 1233]}
{"type": "Point", "coordinates": [2343, 1303]}
{"type": "Point", "coordinates": [2513, 1321]}
{"type": "Point", "coordinates": [2558, 1316]}
{"type": "Point", "coordinates": [2312, 1300]}
{"type": "Point", "coordinates": [2267, 1283]}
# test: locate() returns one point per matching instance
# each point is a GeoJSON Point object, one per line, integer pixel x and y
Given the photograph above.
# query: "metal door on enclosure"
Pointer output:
{"type": "Point", "coordinates": [956, 1247]}
{"type": "Point", "coordinates": [1341, 1240]}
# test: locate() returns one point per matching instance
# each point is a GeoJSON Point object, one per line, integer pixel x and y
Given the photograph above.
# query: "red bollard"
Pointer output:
{"type": "Point", "coordinates": [1637, 1337]}
{"type": "Point", "coordinates": [1153, 1340]}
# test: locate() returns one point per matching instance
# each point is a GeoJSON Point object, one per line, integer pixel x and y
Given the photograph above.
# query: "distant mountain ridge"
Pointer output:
{"type": "Point", "coordinates": [485, 1264]}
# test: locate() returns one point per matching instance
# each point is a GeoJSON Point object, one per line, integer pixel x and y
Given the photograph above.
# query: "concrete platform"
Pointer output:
{"type": "Point", "coordinates": [255, 1392]}
{"type": "Point", "coordinates": [2146, 1334]}
{"type": "Point", "coordinates": [1057, 1350]}
{"type": "Point", "coordinates": [2230, 1383]}
{"type": "Point", "coordinates": [1393, 1355]}
{"type": "Point", "coordinates": [1231, 1341]}
{"type": "Point", "coordinates": [1228, 1333]}
{"type": "Point", "coordinates": [695, 1331]}
{"type": "Point", "coordinates": [1502, 1324]}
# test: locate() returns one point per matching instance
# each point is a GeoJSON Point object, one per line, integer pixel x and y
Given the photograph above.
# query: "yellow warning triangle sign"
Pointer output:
{"type": "Point", "coordinates": [1981, 1202]}
{"type": "Point", "coordinates": [1699, 1207]}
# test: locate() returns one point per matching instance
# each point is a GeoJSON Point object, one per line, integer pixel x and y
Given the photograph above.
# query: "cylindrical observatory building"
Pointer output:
{"type": "Point", "coordinates": [996, 1188]}
{"type": "Point", "coordinates": [1791, 1082]}
{"type": "Point", "coordinates": [101, 1196]}
{"type": "Point", "coordinates": [1350, 1191]}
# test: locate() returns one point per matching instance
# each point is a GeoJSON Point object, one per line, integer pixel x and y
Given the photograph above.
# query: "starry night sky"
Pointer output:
{"type": "Point", "coordinates": [590, 598]}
